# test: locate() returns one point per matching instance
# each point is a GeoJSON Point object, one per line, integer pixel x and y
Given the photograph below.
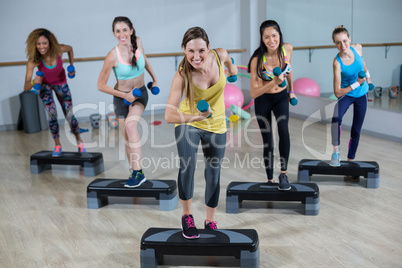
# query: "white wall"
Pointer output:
{"type": "Point", "coordinates": [232, 24]}
{"type": "Point", "coordinates": [87, 27]}
{"type": "Point", "coordinates": [311, 22]}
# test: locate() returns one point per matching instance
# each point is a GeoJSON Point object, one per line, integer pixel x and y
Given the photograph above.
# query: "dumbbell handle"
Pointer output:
{"type": "Point", "coordinates": [233, 78]}
{"type": "Point", "coordinates": [277, 72]}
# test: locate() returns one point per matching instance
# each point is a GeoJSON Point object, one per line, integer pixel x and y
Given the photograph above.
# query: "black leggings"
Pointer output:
{"type": "Point", "coordinates": [278, 104]}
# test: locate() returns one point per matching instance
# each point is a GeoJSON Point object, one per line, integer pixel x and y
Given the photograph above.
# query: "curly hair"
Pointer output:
{"type": "Point", "coordinates": [33, 54]}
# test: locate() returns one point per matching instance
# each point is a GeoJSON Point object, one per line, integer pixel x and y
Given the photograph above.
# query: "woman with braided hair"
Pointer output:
{"type": "Point", "coordinates": [128, 62]}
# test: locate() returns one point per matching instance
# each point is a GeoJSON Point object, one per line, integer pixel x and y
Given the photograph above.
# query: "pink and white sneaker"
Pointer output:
{"type": "Point", "coordinates": [81, 148]}
{"type": "Point", "coordinates": [56, 151]}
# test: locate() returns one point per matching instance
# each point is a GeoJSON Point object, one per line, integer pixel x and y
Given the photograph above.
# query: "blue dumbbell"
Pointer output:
{"type": "Point", "coordinates": [154, 90]}
{"type": "Point", "coordinates": [277, 72]}
{"type": "Point", "coordinates": [137, 93]}
{"type": "Point", "coordinates": [70, 69]}
{"type": "Point", "coordinates": [233, 78]}
{"type": "Point", "coordinates": [38, 87]}
{"type": "Point", "coordinates": [203, 106]}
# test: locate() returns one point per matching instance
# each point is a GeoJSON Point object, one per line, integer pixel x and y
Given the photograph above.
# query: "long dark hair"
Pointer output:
{"type": "Point", "coordinates": [133, 36]}
{"type": "Point", "coordinates": [186, 68]}
{"type": "Point", "coordinates": [262, 49]}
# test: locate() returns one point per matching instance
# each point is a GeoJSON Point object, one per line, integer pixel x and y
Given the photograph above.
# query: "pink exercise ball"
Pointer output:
{"type": "Point", "coordinates": [233, 95]}
{"type": "Point", "coordinates": [306, 86]}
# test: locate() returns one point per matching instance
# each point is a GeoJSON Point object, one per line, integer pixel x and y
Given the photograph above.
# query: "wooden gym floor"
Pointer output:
{"type": "Point", "coordinates": [45, 222]}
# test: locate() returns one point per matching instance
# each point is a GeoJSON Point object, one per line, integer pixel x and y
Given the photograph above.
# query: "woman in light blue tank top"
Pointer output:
{"type": "Point", "coordinates": [350, 89]}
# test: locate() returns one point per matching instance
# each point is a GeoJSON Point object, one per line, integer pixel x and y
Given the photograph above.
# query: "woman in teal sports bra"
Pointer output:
{"type": "Point", "coordinates": [128, 62]}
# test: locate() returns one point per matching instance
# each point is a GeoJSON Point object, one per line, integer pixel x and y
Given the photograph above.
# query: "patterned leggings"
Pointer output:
{"type": "Point", "coordinates": [64, 96]}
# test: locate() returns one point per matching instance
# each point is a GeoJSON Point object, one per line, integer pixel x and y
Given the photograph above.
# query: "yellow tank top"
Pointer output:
{"type": "Point", "coordinates": [214, 96]}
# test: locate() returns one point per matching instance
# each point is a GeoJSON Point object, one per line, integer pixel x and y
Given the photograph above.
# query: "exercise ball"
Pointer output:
{"type": "Point", "coordinates": [247, 97]}
{"type": "Point", "coordinates": [306, 86]}
{"type": "Point", "coordinates": [232, 95]}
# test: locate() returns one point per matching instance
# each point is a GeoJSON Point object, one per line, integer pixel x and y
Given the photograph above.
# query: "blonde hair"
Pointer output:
{"type": "Point", "coordinates": [339, 29]}
{"type": "Point", "coordinates": [33, 54]}
{"type": "Point", "coordinates": [185, 66]}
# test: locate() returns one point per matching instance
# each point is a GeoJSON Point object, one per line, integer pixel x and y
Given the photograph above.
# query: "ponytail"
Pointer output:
{"type": "Point", "coordinates": [186, 72]}
{"type": "Point", "coordinates": [135, 47]}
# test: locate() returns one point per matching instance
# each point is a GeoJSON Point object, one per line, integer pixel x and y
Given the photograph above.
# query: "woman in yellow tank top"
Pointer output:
{"type": "Point", "coordinates": [200, 77]}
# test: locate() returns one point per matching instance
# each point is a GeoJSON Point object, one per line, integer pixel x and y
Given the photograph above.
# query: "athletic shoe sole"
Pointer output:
{"type": "Point", "coordinates": [133, 186]}
{"type": "Point", "coordinates": [282, 189]}
{"type": "Point", "coordinates": [188, 237]}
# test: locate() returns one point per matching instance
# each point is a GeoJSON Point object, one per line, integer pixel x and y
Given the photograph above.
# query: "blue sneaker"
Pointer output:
{"type": "Point", "coordinates": [335, 160]}
{"type": "Point", "coordinates": [56, 151]}
{"type": "Point", "coordinates": [136, 179]}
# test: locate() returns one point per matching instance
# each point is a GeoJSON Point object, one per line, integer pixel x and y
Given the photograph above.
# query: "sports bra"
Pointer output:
{"type": "Point", "coordinates": [267, 73]}
{"type": "Point", "coordinates": [125, 71]}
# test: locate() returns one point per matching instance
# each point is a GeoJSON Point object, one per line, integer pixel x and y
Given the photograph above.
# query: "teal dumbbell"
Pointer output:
{"type": "Point", "coordinates": [233, 78]}
{"type": "Point", "coordinates": [293, 101]}
{"type": "Point", "coordinates": [154, 90]}
{"type": "Point", "coordinates": [137, 93]}
{"type": "Point", "coordinates": [277, 72]}
{"type": "Point", "coordinates": [203, 106]}
{"type": "Point", "coordinates": [362, 74]}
